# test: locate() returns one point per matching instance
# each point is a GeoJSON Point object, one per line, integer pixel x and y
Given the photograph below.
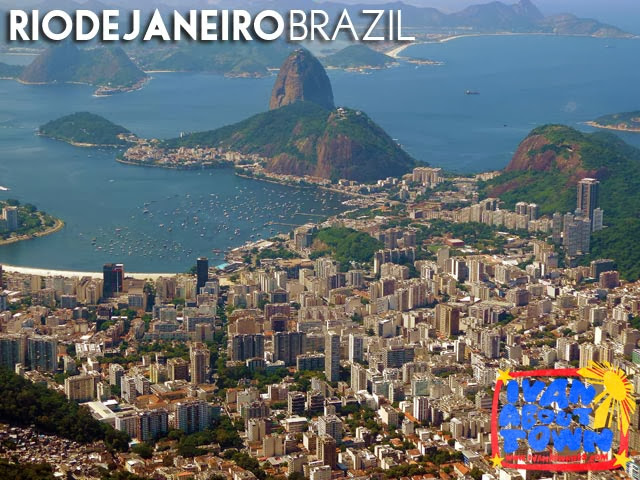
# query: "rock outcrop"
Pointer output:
{"type": "Point", "coordinates": [302, 78]}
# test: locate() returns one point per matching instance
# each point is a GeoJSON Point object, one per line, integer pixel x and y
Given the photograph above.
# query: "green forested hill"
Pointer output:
{"type": "Point", "coordinates": [306, 139]}
{"type": "Point", "coordinates": [357, 56]}
{"type": "Point", "coordinates": [546, 169]}
{"type": "Point", "coordinates": [85, 128]}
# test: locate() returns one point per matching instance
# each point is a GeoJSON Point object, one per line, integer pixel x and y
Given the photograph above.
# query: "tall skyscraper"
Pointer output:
{"type": "Point", "coordinates": [42, 353]}
{"type": "Point", "coordinates": [332, 357]}
{"type": "Point", "coordinates": [13, 350]}
{"type": "Point", "coordinates": [588, 196]}
{"type": "Point", "coordinates": [248, 346]}
{"type": "Point", "coordinates": [288, 345]}
{"type": "Point", "coordinates": [447, 319]}
{"type": "Point", "coordinates": [199, 356]}
{"type": "Point", "coordinates": [356, 348]}
{"type": "Point", "coordinates": [112, 279]}
{"type": "Point", "coordinates": [202, 271]}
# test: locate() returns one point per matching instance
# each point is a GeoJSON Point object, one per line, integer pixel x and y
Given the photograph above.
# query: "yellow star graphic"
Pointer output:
{"type": "Point", "coordinates": [497, 461]}
{"type": "Point", "coordinates": [504, 376]}
{"type": "Point", "coordinates": [621, 459]}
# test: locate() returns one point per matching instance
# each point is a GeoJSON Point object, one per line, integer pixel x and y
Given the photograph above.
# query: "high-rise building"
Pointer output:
{"type": "Point", "coordinates": [247, 346]}
{"type": "Point", "coordinates": [597, 222]}
{"type": "Point", "coordinates": [116, 372]}
{"type": "Point", "coordinates": [447, 320]}
{"type": "Point", "coordinates": [152, 424]}
{"type": "Point", "coordinates": [177, 369]}
{"type": "Point", "coordinates": [288, 345]}
{"type": "Point", "coordinates": [588, 354]}
{"type": "Point", "coordinates": [202, 271]}
{"type": "Point", "coordinates": [588, 196]}
{"type": "Point", "coordinates": [310, 362]}
{"type": "Point", "coordinates": [80, 388]}
{"type": "Point", "coordinates": [128, 391]}
{"type": "Point", "coordinates": [326, 451]}
{"type": "Point", "coordinates": [356, 348]}
{"type": "Point", "coordinates": [358, 377]}
{"type": "Point", "coordinates": [600, 266]}
{"type": "Point", "coordinates": [112, 279]}
{"type": "Point", "coordinates": [296, 403]}
{"type": "Point", "coordinates": [332, 357]}
{"type": "Point", "coordinates": [199, 356]}
{"type": "Point", "coordinates": [330, 425]}
{"type": "Point", "coordinates": [576, 235]}
{"type": "Point", "coordinates": [421, 410]}
{"type": "Point", "coordinates": [42, 353]}
{"type": "Point", "coordinates": [13, 350]}
{"type": "Point", "coordinates": [191, 417]}
{"type": "Point", "coordinates": [10, 216]}
{"type": "Point", "coordinates": [396, 356]}
{"type": "Point", "coordinates": [490, 342]}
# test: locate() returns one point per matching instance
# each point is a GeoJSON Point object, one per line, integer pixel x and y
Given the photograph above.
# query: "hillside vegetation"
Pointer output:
{"type": "Point", "coordinates": [546, 169]}
{"type": "Point", "coordinates": [305, 139]}
{"type": "Point", "coordinates": [23, 403]}
{"type": "Point", "coordinates": [357, 56]}
{"type": "Point", "coordinates": [347, 245]}
{"type": "Point", "coordinates": [86, 129]}
{"type": "Point", "coordinates": [100, 66]}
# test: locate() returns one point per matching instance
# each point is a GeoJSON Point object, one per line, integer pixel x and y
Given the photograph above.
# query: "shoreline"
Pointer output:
{"type": "Point", "coordinates": [57, 226]}
{"type": "Point", "coordinates": [395, 53]}
{"type": "Point", "coordinates": [79, 144]}
{"type": "Point", "coordinates": [52, 272]}
{"type": "Point", "coordinates": [178, 168]}
{"type": "Point", "coordinates": [615, 128]}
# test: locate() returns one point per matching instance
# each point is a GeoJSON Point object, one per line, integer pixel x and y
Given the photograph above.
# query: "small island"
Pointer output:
{"type": "Point", "coordinates": [356, 58]}
{"type": "Point", "coordinates": [86, 129]}
{"type": "Point", "coordinates": [623, 122]}
{"type": "Point", "coordinates": [20, 222]}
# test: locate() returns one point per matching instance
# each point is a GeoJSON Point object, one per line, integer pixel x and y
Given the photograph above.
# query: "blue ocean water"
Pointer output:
{"type": "Point", "coordinates": [523, 81]}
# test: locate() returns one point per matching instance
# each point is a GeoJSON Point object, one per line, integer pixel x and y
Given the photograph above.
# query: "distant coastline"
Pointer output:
{"type": "Point", "coordinates": [395, 52]}
{"type": "Point", "coordinates": [617, 128]}
{"type": "Point", "coordinates": [166, 166]}
{"type": "Point", "coordinates": [100, 90]}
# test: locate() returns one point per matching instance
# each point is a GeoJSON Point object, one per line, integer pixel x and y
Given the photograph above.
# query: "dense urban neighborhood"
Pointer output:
{"type": "Point", "coordinates": [366, 346]}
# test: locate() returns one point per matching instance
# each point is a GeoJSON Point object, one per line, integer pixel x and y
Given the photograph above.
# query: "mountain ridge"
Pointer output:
{"type": "Point", "coordinates": [302, 78]}
{"type": "Point", "coordinates": [100, 67]}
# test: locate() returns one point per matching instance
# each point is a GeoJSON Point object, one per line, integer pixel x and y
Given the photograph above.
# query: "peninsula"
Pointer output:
{"type": "Point", "coordinates": [302, 135]}
{"type": "Point", "coordinates": [356, 58]}
{"type": "Point", "coordinates": [86, 129]}
{"type": "Point", "coordinates": [623, 122]}
{"type": "Point", "coordinates": [20, 222]}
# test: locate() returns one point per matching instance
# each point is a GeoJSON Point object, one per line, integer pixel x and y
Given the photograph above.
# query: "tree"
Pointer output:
{"type": "Point", "coordinates": [143, 449]}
